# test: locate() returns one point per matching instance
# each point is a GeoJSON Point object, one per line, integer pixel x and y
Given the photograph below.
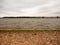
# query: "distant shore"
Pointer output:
{"type": "Point", "coordinates": [31, 17]}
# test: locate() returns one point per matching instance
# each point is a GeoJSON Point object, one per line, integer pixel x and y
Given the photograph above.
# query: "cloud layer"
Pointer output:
{"type": "Point", "coordinates": [29, 7]}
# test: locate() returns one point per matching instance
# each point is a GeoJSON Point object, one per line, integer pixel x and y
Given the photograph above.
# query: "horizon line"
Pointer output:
{"type": "Point", "coordinates": [30, 17]}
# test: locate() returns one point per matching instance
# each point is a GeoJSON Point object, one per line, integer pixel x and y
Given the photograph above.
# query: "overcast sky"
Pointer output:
{"type": "Point", "coordinates": [29, 8]}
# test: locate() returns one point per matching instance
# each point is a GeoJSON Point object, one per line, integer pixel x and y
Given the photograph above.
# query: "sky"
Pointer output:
{"type": "Point", "coordinates": [29, 8]}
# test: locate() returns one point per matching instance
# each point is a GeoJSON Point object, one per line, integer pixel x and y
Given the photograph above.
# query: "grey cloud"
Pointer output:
{"type": "Point", "coordinates": [29, 7]}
